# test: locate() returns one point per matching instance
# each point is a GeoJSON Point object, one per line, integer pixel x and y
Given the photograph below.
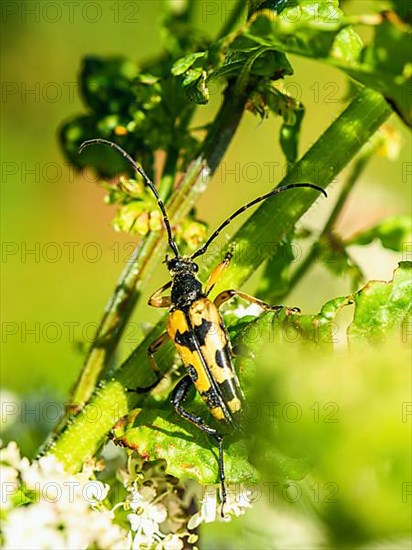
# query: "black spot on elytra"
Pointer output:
{"type": "Point", "coordinates": [186, 340]}
{"type": "Point", "coordinates": [192, 372]}
{"type": "Point", "coordinates": [223, 357]}
{"type": "Point", "coordinates": [202, 330]}
{"type": "Point", "coordinates": [220, 358]}
{"type": "Point", "coordinates": [227, 389]}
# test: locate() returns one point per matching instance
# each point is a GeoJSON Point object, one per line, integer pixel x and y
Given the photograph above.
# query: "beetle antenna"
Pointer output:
{"type": "Point", "coordinates": [276, 191]}
{"type": "Point", "coordinates": [147, 181]}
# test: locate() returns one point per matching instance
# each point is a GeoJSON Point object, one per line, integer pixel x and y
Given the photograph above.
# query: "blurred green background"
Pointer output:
{"type": "Point", "coordinates": [60, 256]}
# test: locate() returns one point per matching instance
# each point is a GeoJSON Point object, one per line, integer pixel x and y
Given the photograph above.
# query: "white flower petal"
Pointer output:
{"type": "Point", "coordinates": [171, 542]}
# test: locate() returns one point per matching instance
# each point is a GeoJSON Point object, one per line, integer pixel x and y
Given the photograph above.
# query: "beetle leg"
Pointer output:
{"type": "Point", "coordinates": [179, 394]}
{"type": "Point", "coordinates": [226, 295]}
{"type": "Point", "coordinates": [217, 273]}
{"type": "Point", "coordinates": [156, 300]}
{"type": "Point", "coordinates": [151, 350]}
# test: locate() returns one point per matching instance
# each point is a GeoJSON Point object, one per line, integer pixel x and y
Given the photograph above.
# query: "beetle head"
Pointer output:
{"type": "Point", "coordinates": [181, 264]}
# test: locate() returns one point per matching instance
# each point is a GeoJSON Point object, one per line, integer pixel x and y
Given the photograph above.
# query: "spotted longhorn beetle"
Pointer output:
{"type": "Point", "coordinates": [196, 327]}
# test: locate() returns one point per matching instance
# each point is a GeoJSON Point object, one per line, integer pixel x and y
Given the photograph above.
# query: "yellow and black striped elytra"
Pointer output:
{"type": "Point", "coordinates": [203, 344]}
{"type": "Point", "coordinates": [196, 327]}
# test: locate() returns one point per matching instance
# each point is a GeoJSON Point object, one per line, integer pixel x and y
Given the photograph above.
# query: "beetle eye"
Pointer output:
{"type": "Point", "coordinates": [195, 268]}
{"type": "Point", "coordinates": [171, 264]}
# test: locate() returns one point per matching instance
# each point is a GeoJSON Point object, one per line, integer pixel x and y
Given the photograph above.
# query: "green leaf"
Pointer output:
{"type": "Point", "coordinates": [275, 5]}
{"type": "Point", "coordinates": [382, 308]}
{"type": "Point", "coordinates": [196, 89]}
{"type": "Point", "coordinates": [392, 232]}
{"type": "Point", "coordinates": [106, 83]}
{"type": "Point", "coordinates": [160, 434]}
{"type": "Point", "coordinates": [291, 326]}
{"type": "Point", "coordinates": [192, 76]}
{"type": "Point", "coordinates": [385, 65]}
{"type": "Point", "coordinates": [347, 45]}
{"type": "Point", "coordinates": [254, 61]}
{"type": "Point", "coordinates": [306, 28]}
{"type": "Point", "coordinates": [184, 63]}
{"type": "Point", "coordinates": [142, 111]}
{"type": "Point", "coordinates": [24, 496]}
{"type": "Point", "coordinates": [321, 31]}
{"type": "Point", "coordinates": [81, 128]}
{"type": "Point", "coordinates": [321, 328]}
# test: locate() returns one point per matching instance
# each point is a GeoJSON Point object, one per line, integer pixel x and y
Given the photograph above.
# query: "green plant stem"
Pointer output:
{"type": "Point", "coordinates": [271, 222]}
{"type": "Point", "coordinates": [359, 166]}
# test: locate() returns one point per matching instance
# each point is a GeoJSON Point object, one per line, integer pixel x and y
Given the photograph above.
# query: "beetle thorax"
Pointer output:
{"type": "Point", "coordinates": [186, 288]}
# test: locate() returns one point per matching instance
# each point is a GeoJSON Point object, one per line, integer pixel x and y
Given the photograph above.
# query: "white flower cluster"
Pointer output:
{"type": "Point", "coordinates": [159, 505]}
{"type": "Point", "coordinates": [44, 507]}
{"type": "Point", "coordinates": [157, 511]}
